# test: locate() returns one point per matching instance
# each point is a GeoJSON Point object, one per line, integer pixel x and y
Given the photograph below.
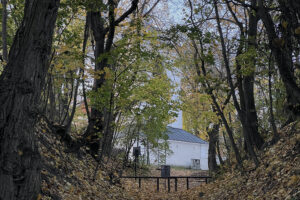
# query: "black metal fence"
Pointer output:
{"type": "Point", "coordinates": [200, 178]}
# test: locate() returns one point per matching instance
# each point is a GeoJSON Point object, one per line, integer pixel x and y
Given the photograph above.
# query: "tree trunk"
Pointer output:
{"type": "Point", "coordinates": [106, 141]}
{"type": "Point", "coordinates": [230, 82]}
{"type": "Point", "coordinates": [213, 138]}
{"type": "Point", "coordinates": [219, 152]}
{"type": "Point", "coordinates": [52, 110]}
{"type": "Point", "coordinates": [282, 50]}
{"type": "Point", "coordinates": [103, 37]}
{"type": "Point", "coordinates": [246, 81]}
{"type": "Point", "coordinates": [272, 118]}
{"type": "Point", "coordinates": [80, 76]}
{"type": "Point", "coordinates": [20, 88]}
{"type": "Point", "coordinates": [228, 159]}
{"type": "Point", "coordinates": [215, 104]}
{"type": "Point", "coordinates": [96, 122]}
{"type": "Point", "coordinates": [148, 153]}
{"type": "Point", "coordinates": [248, 84]}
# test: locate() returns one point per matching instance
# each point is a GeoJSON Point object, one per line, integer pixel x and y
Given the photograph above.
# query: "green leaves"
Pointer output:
{"type": "Point", "coordinates": [246, 60]}
{"type": "Point", "coordinates": [136, 84]}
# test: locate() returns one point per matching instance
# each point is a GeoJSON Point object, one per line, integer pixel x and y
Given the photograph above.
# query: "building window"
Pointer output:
{"type": "Point", "coordinates": [195, 163]}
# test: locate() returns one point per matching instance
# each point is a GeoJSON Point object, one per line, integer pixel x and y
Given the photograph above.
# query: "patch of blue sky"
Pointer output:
{"type": "Point", "coordinates": [175, 9]}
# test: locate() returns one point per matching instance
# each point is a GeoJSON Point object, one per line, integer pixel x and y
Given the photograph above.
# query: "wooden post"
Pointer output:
{"type": "Point", "coordinates": [169, 185]}
{"type": "Point", "coordinates": [157, 181]}
{"type": "Point", "coordinates": [140, 180]}
{"type": "Point", "coordinates": [187, 183]}
{"type": "Point", "coordinates": [176, 184]}
{"type": "Point", "coordinates": [206, 180]}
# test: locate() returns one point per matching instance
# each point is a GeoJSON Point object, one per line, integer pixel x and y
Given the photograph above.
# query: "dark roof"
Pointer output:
{"type": "Point", "coordinates": [182, 135]}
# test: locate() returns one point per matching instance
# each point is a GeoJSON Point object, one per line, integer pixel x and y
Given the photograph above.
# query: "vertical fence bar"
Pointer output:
{"type": "Point", "coordinates": [157, 182]}
{"type": "Point", "coordinates": [206, 181]}
{"type": "Point", "coordinates": [140, 180]}
{"type": "Point", "coordinates": [169, 185]}
{"type": "Point", "coordinates": [187, 183]}
{"type": "Point", "coordinates": [176, 184]}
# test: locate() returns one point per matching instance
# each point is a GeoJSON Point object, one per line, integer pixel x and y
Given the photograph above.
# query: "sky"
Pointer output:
{"type": "Point", "coordinates": [178, 122]}
{"type": "Point", "coordinates": [176, 79]}
{"type": "Point", "coordinates": [176, 15]}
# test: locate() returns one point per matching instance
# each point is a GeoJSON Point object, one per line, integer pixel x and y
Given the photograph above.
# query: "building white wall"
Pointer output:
{"type": "Point", "coordinates": [182, 154]}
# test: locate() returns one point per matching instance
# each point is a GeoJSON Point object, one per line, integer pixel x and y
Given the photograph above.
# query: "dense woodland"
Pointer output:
{"type": "Point", "coordinates": [94, 69]}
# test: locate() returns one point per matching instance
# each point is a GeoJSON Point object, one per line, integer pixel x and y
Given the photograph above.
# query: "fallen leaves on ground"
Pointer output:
{"type": "Point", "coordinates": [69, 176]}
{"type": "Point", "coordinates": [277, 177]}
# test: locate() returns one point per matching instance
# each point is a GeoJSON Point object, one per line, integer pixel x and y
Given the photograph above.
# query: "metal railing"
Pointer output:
{"type": "Point", "coordinates": [205, 179]}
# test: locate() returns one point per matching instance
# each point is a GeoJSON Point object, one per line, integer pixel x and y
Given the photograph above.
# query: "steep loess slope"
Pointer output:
{"type": "Point", "coordinates": [278, 176]}
{"type": "Point", "coordinates": [68, 176]}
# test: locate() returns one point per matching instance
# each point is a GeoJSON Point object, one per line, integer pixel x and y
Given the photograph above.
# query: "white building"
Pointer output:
{"type": "Point", "coordinates": [186, 150]}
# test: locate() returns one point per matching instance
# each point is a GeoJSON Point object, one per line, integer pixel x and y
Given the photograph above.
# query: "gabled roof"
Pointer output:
{"type": "Point", "coordinates": [182, 135]}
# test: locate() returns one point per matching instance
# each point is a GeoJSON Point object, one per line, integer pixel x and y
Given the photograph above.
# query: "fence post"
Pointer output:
{"type": "Point", "coordinates": [157, 181]}
{"type": "Point", "coordinates": [169, 185]}
{"type": "Point", "coordinates": [140, 180]}
{"type": "Point", "coordinates": [176, 184]}
{"type": "Point", "coordinates": [187, 183]}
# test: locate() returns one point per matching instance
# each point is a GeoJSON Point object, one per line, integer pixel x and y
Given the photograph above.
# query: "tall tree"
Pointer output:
{"type": "Point", "coordinates": [246, 67]}
{"type": "Point", "coordinates": [241, 114]}
{"type": "Point", "coordinates": [20, 86]}
{"type": "Point", "coordinates": [248, 82]}
{"type": "Point", "coordinates": [103, 35]}
{"type": "Point", "coordinates": [200, 62]}
{"type": "Point", "coordinates": [283, 42]}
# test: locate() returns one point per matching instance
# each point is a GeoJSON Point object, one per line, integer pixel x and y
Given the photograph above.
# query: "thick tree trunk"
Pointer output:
{"type": "Point", "coordinates": [246, 81]}
{"type": "Point", "coordinates": [248, 84]}
{"type": "Point", "coordinates": [103, 37]}
{"type": "Point", "coordinates": [96, 122]}
{"type": "Point", "coordinates": [106, 142]}
{"type": "Point", "coordinates": [219, 152]}
{"type": "Point", "coordinates": [20, 88]}
{"type": "Point", "coordinates": [213, 138]}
